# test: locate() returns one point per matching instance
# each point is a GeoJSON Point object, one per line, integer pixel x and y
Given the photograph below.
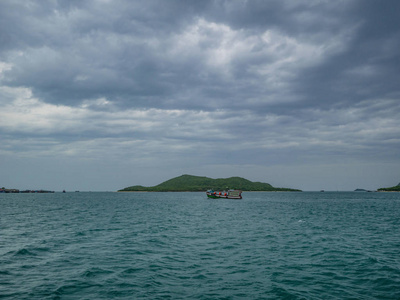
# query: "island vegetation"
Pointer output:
{"type": "Point", "coordinates": [390, 189]}
{"type": "Point", "coordinates": [16, 191]}
{"type": "Point", "coordinates": [192, 183]}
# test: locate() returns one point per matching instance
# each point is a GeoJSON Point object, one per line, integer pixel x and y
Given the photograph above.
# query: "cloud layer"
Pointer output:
{"type": "Point", "coordinates": [250, 88]}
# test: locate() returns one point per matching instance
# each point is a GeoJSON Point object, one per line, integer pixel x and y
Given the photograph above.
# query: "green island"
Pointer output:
{"type": "Point", "coordinates": [390, 189]}
{"type": "Point", "coordinates": [190, 183]}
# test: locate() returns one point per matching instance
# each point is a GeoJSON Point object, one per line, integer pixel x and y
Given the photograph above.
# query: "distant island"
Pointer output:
{"type": "Point", "coordinates": [390, 189]}
{"type": "Point", "coordinates": [16, 191]}
{"type": "Point", "coordinates": [190, 183]}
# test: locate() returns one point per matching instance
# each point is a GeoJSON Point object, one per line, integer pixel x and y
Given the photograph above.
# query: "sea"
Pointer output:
{"type": "Point", "coordinates": [269, 245]}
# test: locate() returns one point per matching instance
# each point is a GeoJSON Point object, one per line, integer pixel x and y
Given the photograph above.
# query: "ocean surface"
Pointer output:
{"type": "Point", "coordinates": [310, 245]}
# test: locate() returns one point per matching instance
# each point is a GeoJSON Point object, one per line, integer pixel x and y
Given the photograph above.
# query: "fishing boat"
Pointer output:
{"type": "Point", "coordinates": [230, 194]}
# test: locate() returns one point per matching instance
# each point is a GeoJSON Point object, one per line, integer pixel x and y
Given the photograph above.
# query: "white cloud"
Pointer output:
{"type": "Point", "coordinates": [4, 67]}
{"type": "Point", "coordinates": [151, 133]}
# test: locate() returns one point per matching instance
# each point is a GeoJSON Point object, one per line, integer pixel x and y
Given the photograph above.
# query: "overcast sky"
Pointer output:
{"type": "Point", "coordinates": [99, 95]}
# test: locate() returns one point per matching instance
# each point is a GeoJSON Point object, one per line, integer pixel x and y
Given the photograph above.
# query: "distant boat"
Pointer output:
{"type": "Point", "coordinates": [63, 191]}
{"type": "Point", "coordinates": [230, 194]}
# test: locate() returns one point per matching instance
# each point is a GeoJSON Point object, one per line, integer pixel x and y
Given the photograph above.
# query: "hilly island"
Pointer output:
{"type": "Point", "coordinates": [390, 189]}
{"type": "Point", "coordinates": [190, 183]}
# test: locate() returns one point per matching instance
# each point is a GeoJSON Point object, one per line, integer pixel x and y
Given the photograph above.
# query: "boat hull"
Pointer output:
{"type": "Point", "coordinates": [224, 195]}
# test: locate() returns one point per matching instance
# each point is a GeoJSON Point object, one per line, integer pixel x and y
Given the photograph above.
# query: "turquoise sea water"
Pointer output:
{"type": "Point", "coordinates": [306, 245]}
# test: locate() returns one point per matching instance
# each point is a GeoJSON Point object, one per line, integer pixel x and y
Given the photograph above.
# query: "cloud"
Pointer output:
{"type": "Point", "coordinates": [97, 123]}
{"type": "Point", "coordinates": [128, 59]}
{"type": "Point", "coordinates": [189, 84]}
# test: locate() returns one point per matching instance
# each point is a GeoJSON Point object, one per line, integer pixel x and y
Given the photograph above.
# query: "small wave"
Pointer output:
{"type": "Point", "coordinates": [391, 270]}
{"type": "Point", "coordinates": [24, 252]}
{"type": "Point", "coordinates": [228, 247]}
{"type": "Point", "coordinates": [96, 230]}
{"type": "Point", "coordinates": [282, 293]}
{"type": "Point", "coordinates": [132, 270]}
{"type": "Point", "coordinates": [41, 249]}
{"type": "Point", "coordinates": [95, 272]}
{"type": "Point", "coordinates": [200, 276]}
{"type": "Point", "coordinates": [5, 273]}
{"type": "Point", "coordinates": [74, 288]}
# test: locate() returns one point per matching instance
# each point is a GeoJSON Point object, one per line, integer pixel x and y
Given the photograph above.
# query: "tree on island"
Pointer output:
{"type": "Point", "coordinates": [391, 189]}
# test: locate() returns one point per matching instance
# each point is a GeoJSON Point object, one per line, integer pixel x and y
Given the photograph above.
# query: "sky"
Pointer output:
{"type": "Point", "coordinates": [98, 95]}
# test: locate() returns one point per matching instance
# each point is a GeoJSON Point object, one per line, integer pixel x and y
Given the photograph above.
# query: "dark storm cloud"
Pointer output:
{"type": "Point", "coordinates": [79, 50]}
{"type": "Point", "coordinates": [72, 51]}
{"type": "Point", "coordinates": [180, 82]}
{"type": "Point", "coordinates": [68, 52]}
{"type": "Point", "coordinates": [368, 68]}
